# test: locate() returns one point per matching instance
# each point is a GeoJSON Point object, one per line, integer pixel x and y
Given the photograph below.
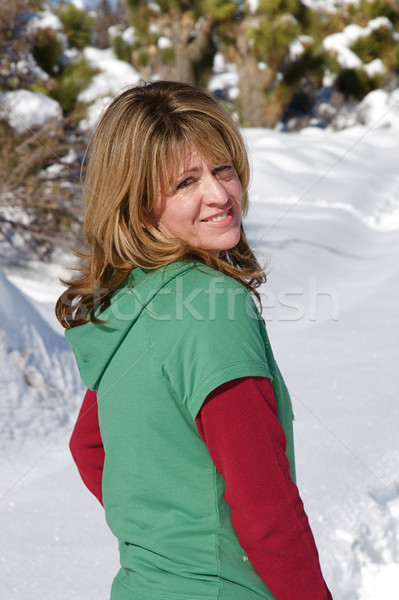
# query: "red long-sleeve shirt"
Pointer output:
{"type": "Point", "coordinates": [87, 447]}
{"type": "Point", "coordinates": [238, 422]}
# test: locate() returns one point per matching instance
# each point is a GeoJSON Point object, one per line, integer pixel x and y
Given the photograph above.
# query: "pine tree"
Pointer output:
{"type": "Point", "coordinates": [258, 41]}
{"type": "Point", "coordinates": [174, 37]}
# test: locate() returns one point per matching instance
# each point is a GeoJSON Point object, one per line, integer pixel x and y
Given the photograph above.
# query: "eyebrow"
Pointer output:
{"type": "Point", "coordinates": [192, 170]}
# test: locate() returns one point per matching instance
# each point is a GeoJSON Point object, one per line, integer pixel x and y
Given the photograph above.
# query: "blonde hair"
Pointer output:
{"type": "Point", "coordinates": [135, 152]}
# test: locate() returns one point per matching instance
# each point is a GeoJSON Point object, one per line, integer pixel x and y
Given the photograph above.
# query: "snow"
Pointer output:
{"type": "Point", "coordinates": [164, 43]}
{"type": "Point", "coordinates": [327, 5]}
{"type": "Point", "coordinates": [299, 45]}
{"type": "Point", "coordinates": [381, 582]}
{"type": "Point", "coordinates": [225, 81]}
{"type": "Point", "coordinates": [253, 5]}
{"type": "Point", "coordinates": [93, 113]}
{"type": "Point", "coordinates": [325, 214]}
{"type": "Point", "coordinates": [128, 36]}
{"type": "Point", "coordinates": [219, 64]}
{"type": "Point", "coordinates": [225, 84]}
{"type": "Point", "coordinates": [44, 19]}
{"type": "Point", "coordinates": [114, 74]}
{"type": "Point", "coordinates": [379, 108]}
{"type": "Point", "coordinates": [79, 4]}
{"type": "Point", "coordinates": [379, 22]}
{"type": "Point", "coordinates": [339, 44]}
{"type": "Point", "coordinates": [25, 110]}
{"type": "Point", "coordinates": [28, 66]}
{"type": "Point", "coordinates": [375, 67]}
{"type": "Point", "coordinates": [115, 31]}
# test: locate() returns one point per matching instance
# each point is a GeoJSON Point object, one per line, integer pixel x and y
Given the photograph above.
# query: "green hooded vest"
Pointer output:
{"type": "Point", "coordinates": [169, 338]}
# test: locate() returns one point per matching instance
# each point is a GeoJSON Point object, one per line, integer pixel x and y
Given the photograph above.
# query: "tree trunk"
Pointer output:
{"type": "Point", "coordinates": [275, 105]}
{"type": "Point", "coordinates": [251, 90]}
{"type": "Point", "coordinates": [262, 100]}
{"type": "Point", "coordinates": [189, 40]}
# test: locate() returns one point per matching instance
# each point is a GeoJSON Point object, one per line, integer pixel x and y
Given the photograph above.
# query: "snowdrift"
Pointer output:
{"type": "Point", "coordinates": [325, 216]}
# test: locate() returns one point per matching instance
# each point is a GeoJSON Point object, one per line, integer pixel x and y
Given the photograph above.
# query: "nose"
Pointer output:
{"type": "Point", "coordinates": [215, 193]}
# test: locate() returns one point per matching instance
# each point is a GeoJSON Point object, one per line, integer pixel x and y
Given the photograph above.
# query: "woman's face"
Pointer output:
{"type": "Point", "coordinates": [203, 205]}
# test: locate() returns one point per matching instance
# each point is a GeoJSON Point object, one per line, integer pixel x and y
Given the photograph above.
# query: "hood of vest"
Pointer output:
{"type": "Point", "coordinates": [94, 344]}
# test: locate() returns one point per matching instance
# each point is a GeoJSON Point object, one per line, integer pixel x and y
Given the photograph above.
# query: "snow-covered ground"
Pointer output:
{"type": "Point", "coordinates": [325, 213]}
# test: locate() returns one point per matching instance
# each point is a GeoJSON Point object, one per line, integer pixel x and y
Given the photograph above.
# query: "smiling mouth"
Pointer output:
{"type": "Point", "coordinates": [218, 218]}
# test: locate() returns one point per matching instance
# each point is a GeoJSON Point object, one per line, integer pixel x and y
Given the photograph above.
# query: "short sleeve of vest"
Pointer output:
{"type": "Point", "coordinates": [206, 331]}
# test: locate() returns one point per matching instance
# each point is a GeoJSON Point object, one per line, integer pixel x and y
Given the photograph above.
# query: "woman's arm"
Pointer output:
{"type": "Point", "coordinates": [239, 425]}
{"type": "Point", "coordinates": [86, 445]}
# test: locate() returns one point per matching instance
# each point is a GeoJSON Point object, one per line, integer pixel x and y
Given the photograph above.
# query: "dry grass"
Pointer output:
{"type": "Point", "coordinates": [40, 206]}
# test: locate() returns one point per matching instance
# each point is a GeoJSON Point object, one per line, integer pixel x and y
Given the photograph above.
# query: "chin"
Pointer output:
{"type": "Point", "coordinates": [220, 243]}
{"type": "Point", "coordinates": [224, 247]}
{"type": "Point", "coordinates": [231, 243]}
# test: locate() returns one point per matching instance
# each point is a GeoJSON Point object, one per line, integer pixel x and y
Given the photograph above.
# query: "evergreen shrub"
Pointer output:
{"type": "Point", "coordinates": [356, 83]}
{"type": "Point", "coordinates": [378, 44]}
{"type": "Point", "coordinates": [46, 50]}
{"type": "Point", "coordinates": [78, 25]}
{"type": "Point", "coordinates": [73, 79]}
{"type": "Point", "coordinates": [120, 48]}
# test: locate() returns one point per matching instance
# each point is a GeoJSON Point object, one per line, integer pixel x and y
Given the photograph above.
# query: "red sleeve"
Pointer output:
{"type": "Point", "coordinates": [239, 424]}
{"type": "Point", "coordinates": [86, 445]}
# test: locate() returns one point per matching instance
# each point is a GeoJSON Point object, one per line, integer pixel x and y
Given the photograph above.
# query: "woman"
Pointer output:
{"type": "Point", "coordinates": [192, 452]}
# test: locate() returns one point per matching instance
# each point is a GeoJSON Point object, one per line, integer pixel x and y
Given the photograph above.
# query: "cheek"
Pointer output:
{"type": "Point", "coordinates": [236, 190]}
{"type": "Point", "coordinates": [186, 211]}
{"type": "Point", "coordinates": [176, 218]}
{"type": "Point", "coordinates": [238, 205]}
{"type": "Point", "coordinates": [164, 212]}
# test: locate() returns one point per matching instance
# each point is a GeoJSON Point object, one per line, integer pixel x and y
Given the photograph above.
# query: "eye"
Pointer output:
{"type": "Point", "coordinates": [224, 170]}
{"type": "Point", "coordinates": [184, 183]}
